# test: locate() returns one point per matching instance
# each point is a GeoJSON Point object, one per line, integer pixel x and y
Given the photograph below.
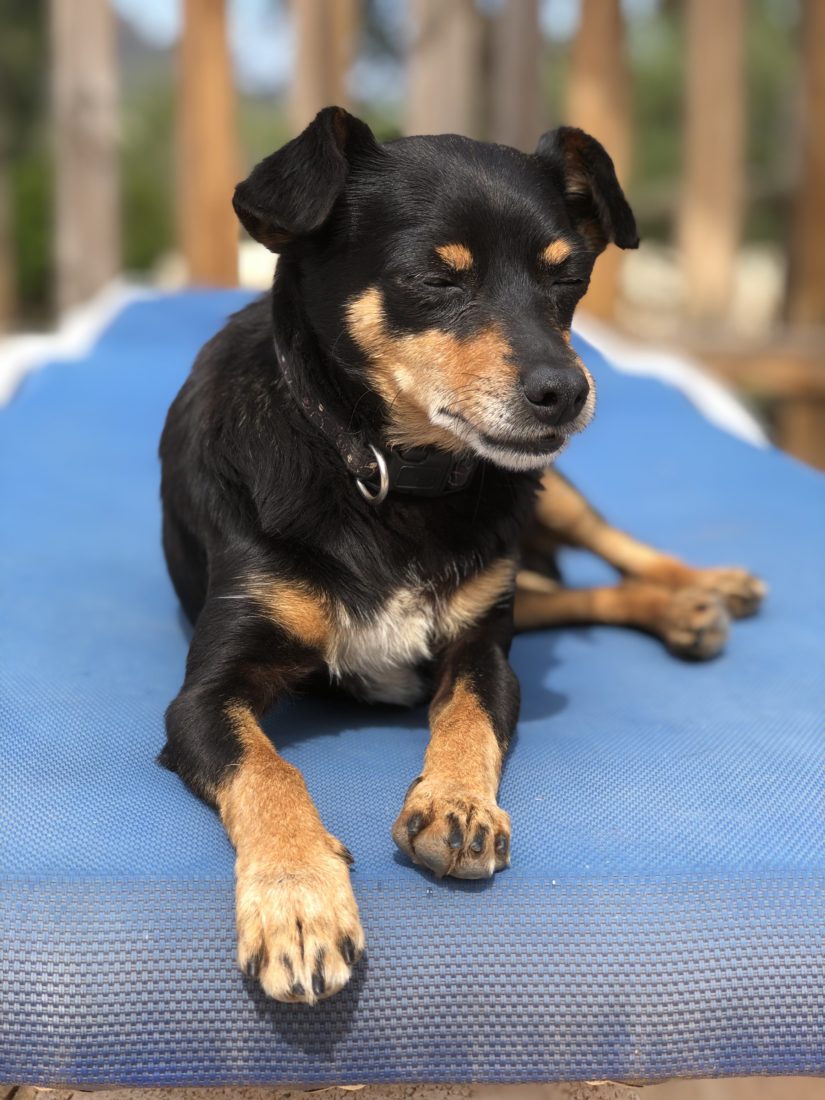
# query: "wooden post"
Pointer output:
{"type": "Point", "coordinates": [599, 102]}
{"type": "Point", "coordinates": [517, 84]}
{"type": "Point", "coordinates": [712, 204]}
{"type": "Point", "coordinates": [84, 109]}
{"type": "Point", "coordinates": [326, 32]}
{"type": "Point", "coordinates": [806, 291]}
{"type": "Point", "coordinates": [444, 68]}
{"type": "Point", "coordinates": [207, 159]}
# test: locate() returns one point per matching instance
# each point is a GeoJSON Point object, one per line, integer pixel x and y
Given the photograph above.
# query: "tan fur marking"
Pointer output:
{"type": "Point", "coordinates": [450, 821]}
{"type": "Point", "coordinates": [298, 610]}
{"type": "Point", "coordinates": [565, 511]}
{"type": "Point", "coordinates": [456, 256]}
{"type": "Point", "coordinates": [476, 596]}
{"type": "Point", "coordinates": [630, 604]}
{"type": "Point", "coordinates": [414, 372]}
{"type": "Point", "coordinates": [261, 786]}
{"type": "Point", "coordinates": [463, 747]}
{"type": "Point", "coordinates": [691, 621]}
{"type": "Point", "coordinates": [556, 252]}
{"type": "Point", "coordinates": [528, 581]}
{"type": "Point", "coordinates": [293, 894]}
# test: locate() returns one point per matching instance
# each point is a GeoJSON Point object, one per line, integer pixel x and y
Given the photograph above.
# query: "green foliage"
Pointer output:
{"type": "Point", "coordinates": [24, 149]}
{"type": "Point", "coordinates": [262, 128]}
{"type": "Point", "coordinates": [772, 71]}
{"type": "Point", "coordinates": [147, 177]}
{"type": "Point", "coordinates": [657, 61]}
{"type": "Point", "coordinates": [22, 72]}
{"type": "Point", "coordinates": [32, 227]}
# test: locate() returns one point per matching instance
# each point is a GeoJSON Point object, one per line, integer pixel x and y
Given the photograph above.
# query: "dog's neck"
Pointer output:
{"type": "Point", "coordinates": [352, 422]}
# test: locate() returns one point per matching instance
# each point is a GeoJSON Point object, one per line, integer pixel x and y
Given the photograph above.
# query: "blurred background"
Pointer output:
{"type": "Point", "coordinates": [124, 125]}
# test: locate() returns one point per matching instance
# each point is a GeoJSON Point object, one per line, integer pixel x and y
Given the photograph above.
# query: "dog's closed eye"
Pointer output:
{"type": "Point", "coordinates": [441, 282]}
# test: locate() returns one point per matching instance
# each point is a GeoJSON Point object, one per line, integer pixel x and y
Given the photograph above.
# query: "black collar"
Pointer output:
{"type": "Point", "coordinates": [419, 471]}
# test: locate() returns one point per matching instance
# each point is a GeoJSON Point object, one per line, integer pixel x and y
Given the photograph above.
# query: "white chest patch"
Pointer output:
{"type": "Point", "coordinates": [377, 659]}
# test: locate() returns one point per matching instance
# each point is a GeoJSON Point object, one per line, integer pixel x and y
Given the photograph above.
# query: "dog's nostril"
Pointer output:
{"type": "Point", "coordinates": [547, 400]}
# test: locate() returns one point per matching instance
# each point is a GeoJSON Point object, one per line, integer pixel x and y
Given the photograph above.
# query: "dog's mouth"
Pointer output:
{"type": "Point", "coordinates": [513, 449]}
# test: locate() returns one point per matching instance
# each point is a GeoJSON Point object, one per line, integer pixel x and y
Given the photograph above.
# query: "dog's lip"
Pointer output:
{"type": "Point", "coordinates": [544, 445]}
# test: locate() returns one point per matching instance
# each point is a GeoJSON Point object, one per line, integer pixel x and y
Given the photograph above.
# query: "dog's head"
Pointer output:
{"type": "Point", "coordinates": [444, 273]}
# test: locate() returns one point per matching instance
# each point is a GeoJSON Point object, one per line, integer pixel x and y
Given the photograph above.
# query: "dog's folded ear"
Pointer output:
{"type": "Point", "coordinates": [593, 196]}
{"type": "Point", "coordinates": [292, 192]}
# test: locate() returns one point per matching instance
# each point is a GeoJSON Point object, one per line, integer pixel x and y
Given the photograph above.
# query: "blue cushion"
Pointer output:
{"type": "Point", "coordinates": [665, 909]}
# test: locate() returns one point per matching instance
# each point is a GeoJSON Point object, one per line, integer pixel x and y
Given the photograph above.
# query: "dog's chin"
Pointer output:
{"type": "Point", "coordinates": [511, 451]}
{"type": "Point", "coordinates": [514, 454]}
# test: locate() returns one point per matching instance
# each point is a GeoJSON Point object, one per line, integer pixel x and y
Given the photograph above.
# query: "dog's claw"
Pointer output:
{"type": "Point", "coordinates": [456, 836]}
{"type": "Point", "coordinates": [479, 839]}
{"type": "Point", "coordinates": [253, 965]}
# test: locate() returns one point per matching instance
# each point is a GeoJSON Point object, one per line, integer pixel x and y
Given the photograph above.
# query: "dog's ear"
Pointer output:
{"type": "Point", "coordinates": [593, 196]}
{"type": "Point", "coordinates": [291, 193]}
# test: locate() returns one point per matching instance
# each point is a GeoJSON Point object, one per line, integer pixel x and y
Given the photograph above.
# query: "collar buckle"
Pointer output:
{"type": "Point", "coordinates": [416, 471]}
{"type": "Point", "coordinates": [424, 472]}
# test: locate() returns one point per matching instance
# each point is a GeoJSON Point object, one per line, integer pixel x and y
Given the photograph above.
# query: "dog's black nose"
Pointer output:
{"type": "Point", "coordinates": [556, 394]}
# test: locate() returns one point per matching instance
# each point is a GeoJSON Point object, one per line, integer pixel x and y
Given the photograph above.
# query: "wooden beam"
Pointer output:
{"type": "Point", "coordinates": [806, 290]}
{"type": "Point", "coordinates": [85, 120]}
{"type": "Point", "coordinates": [517, 108]}
{"type": "Point", "coordinates": [712, 201]}
{"type": "Point", "coordinates": [800, 429]}
{"type": "Point", "coordinates": [599, 102]}
{"type": "Point", "coordinates": [207, 158]}
{"type": "Point", "coordinates": [326, 34]}
{"type": "Point", "coordinates": [771, 373]}
{"type": "Point", "coordinates": [444, 68]}
{"type": "Point", "coordinates": [786, 375]}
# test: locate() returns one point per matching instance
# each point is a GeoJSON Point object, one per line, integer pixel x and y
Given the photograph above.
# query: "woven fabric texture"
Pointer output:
{"type": "Point", "coordinates": [665, 909]}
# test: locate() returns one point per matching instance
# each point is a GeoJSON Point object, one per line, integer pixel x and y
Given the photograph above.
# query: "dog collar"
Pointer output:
{"type": "Point", "coordinates": [417, 471]}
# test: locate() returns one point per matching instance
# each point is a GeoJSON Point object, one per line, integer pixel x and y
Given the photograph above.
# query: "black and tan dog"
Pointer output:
{"type": "Point", "coordinates": [355, 488]}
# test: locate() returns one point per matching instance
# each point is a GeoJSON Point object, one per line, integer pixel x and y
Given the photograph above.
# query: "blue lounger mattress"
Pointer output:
{"type": "Point", "coordinates": [665, 909]}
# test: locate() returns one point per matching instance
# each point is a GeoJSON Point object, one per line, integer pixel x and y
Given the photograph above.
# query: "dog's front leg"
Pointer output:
{"type": "Point", "coordinates": [297, 920]}
{"type": "Point", "coordinates": [451, 821]}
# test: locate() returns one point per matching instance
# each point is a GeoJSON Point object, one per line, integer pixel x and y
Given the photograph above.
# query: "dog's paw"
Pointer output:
{"type": "Point", "coordinates": [741, 592]}
{"type": "Point", "coordinates": [298, 929]}
{"type": "Point", "coordinates": [695, 623]}
{"type": "Point", "coordinates": [453, 831]}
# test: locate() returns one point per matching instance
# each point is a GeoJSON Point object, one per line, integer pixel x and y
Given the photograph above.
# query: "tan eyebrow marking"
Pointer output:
{"type": "Point", "coordinates": [458, 256]}
{"type": "Point", "coordinates": [556, 252]}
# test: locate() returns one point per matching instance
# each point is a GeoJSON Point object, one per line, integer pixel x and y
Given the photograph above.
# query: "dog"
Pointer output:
{"type": "Point", "coordinates": [358, 487]}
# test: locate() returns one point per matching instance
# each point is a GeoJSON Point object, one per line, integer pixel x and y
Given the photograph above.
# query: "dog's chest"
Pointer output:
{"type": "Point", "coordinates": [379, 657]}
